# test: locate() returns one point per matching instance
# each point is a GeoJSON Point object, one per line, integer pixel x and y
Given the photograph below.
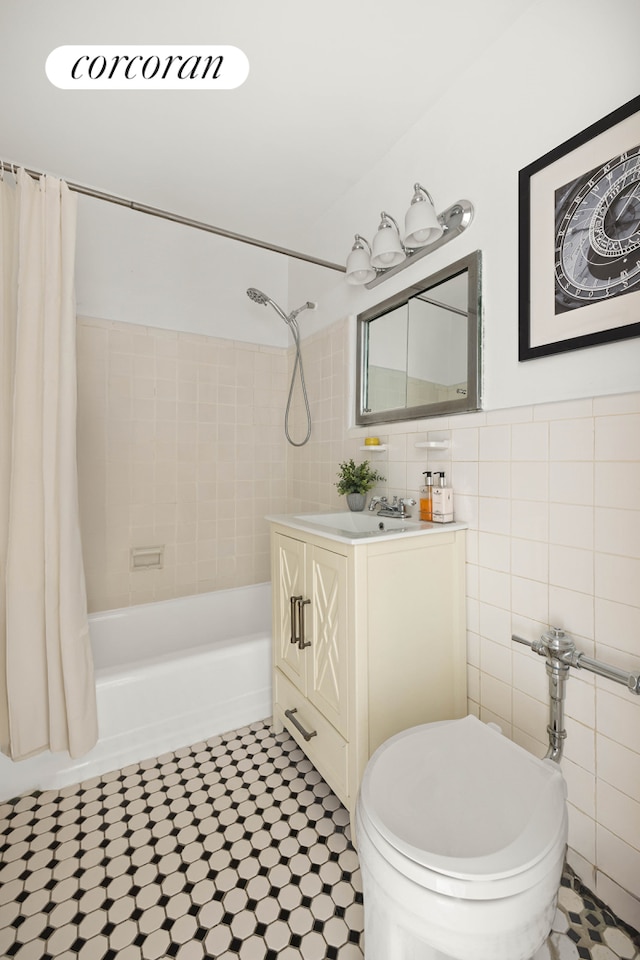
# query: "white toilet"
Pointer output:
{"type": "Point", "coordinates": [461, 837]}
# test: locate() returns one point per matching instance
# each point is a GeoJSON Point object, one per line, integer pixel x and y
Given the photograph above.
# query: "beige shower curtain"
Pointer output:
{"type": "Point", "coordinates": [47, 690]}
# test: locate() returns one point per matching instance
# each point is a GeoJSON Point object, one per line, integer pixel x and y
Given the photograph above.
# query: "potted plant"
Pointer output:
{"type": "Point", "coordinates": [354, 480]}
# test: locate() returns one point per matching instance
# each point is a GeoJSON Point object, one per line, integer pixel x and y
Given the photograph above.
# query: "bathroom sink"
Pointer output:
{"type": "Point", "coordinates": [359, 522]}
{"type": "Point", "coordinates": [349, 527]}
{"type": "Point", "coordinates": [354, 528]}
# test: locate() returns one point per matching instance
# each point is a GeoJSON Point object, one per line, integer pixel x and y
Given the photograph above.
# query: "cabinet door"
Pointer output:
{"type": "Point", "coordinates": [327, 672]}
{"type": "Point", "coordinates": [289, 581]}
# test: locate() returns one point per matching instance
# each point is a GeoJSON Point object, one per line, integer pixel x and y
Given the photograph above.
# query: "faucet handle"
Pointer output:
{"type": "Point", "coordinates": [408, 502]}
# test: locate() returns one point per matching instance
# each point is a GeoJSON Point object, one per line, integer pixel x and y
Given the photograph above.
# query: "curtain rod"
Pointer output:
{"type": "Point", "coordinates": [176, 218]}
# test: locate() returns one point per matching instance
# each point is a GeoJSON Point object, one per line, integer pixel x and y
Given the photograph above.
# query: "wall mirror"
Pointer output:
{"type": "Point", "coordinates": [419, 350]}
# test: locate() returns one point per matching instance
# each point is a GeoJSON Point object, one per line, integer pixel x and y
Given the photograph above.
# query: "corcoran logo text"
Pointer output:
{"type": "Point", "coordinates": [147, 67]}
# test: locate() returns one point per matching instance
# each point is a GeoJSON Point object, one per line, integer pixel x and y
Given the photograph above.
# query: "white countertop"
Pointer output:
{"type": "Point", "coordinates": [346, 527]}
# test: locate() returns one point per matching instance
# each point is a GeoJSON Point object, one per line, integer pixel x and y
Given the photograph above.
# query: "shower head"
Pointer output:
{"type": "Point", "coordinates": [257, 296]}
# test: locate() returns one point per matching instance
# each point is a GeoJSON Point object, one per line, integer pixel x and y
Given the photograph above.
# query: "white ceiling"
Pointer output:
{"type": "Point", "coordinates": [332, 86]}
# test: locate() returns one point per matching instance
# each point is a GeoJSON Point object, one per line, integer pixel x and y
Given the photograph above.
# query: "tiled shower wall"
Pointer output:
{"type": "Point", "coordinates": [551, 494]}
{"type": "Point", "coordinates": [180, 445]}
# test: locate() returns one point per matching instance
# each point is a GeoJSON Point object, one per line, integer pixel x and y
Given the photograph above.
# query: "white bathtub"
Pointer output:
{"type": "Point", "coordinates": [168, 675]}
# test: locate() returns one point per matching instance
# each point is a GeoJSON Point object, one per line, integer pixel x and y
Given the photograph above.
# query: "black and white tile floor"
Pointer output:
{"type": "Point", "coordinates": [234, 849]}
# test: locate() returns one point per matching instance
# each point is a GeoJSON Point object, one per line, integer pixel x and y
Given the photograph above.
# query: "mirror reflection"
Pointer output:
{"type": "Point", "coordinates": [418, 350]}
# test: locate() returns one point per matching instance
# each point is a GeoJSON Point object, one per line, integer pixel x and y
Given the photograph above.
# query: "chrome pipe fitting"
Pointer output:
{"type": "Point", "coordinates": [560, 653]}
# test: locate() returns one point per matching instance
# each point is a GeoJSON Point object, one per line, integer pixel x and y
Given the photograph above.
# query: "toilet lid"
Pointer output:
{"type": "Point", "coordinates": [463, 800]}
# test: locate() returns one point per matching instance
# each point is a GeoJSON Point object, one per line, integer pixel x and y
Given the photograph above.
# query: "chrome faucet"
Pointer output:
{"type": "Point", "coordinates": [394, 509]}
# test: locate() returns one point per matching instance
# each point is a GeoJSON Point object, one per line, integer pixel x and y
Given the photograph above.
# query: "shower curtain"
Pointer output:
{"type": "Point", "coordinates": [47, 689]}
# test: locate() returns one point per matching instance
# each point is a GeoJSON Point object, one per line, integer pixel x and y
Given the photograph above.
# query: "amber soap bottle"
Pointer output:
{"type": "Point", "coordinates": [426, 501]}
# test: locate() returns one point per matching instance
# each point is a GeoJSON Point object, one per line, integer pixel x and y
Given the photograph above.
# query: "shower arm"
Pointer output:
{"type": "Point", "coordinates": [560, 652]}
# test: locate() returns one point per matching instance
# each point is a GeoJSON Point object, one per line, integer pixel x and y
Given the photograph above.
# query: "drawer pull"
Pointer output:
{"type": "Point", "coordinates": [298, 725]}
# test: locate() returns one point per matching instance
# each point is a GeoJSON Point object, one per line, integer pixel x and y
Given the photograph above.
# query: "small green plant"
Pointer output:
{"type": "Point", "coordinates": [356, 477]}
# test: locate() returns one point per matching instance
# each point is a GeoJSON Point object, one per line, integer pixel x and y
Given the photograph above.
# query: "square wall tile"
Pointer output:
{"type": "Point", "coordinates": [571, 525]}
{"type": "Point", "coordinates": [495, 660]}
{"type": "Point", "coordinates": [617, 485]}
{"type": "Point", "coordinates": [530, 519]}
{"type": "Point", "coordinates": [495, 443]}
{"type": "Point", "coordinates": [571, 482]}
{"type": "Point", "coordinates": [618, 859]}
{"type": "Point", "coordinates": [619, 813]}
{"type": "Point", "coordinates": [530, 441]}
{"type": "Point", "coordinates": [617, 531]}
{"type": "Point", "coordinates": [571, 439]}
{"type": "Point", "coordinates": [617, 578]}
{"type": "Point", "coordinates": [529, 598]}
{"type": "Point", "coordinates": [571, 568]}
{"type": "Point", "coordinates": [530, 559]}
{"type": "Point", "coordinates": [530, 480]}
{"type": "Point", "coordinates": [618, 718]}
{"type": "Point", "coordinates": [618, 438]}
{"type": "Point", "coordinates": [618, 766]}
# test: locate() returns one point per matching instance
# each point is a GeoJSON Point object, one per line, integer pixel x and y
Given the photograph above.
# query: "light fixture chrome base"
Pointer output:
{"type": "Point", "coordinates": [455, 220]}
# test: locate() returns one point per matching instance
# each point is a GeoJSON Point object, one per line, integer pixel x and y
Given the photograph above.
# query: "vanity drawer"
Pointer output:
{"type": "Point", "coordinates": [326, 749]}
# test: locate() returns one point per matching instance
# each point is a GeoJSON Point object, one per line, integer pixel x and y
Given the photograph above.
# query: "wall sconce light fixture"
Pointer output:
{"type": "Point", "coordinates": [424, 231]}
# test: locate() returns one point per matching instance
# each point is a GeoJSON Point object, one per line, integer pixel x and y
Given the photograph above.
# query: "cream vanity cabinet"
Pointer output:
{"type": "Point", "coordinates": [369, 638]}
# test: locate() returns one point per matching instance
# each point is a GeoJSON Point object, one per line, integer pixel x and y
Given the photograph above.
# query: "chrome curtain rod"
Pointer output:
{"type": "Point", "coordinates": [176, 218]}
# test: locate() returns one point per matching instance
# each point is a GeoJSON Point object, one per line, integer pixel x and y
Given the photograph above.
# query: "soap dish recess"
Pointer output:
{"type": "Point", "coordinates": [433, 444]}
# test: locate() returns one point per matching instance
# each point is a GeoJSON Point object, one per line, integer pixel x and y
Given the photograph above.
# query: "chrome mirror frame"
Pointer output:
{"type": "Point", "coordinates": [473, 399]}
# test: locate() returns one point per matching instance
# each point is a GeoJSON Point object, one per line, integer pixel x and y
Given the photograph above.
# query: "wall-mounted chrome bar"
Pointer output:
{"type": "Point", "coordinates": [560, 652]}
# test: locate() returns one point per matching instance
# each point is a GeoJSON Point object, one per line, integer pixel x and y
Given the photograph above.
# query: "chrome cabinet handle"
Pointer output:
{"type": "Point", "coordinates": [293, 610]}
{"type": "Point", "coordinates": [298, 725]}
{"type": "Point", "coordinates": [302, 642]}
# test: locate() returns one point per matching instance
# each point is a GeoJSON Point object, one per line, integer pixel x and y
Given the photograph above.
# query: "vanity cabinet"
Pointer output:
{"type": "Point", "coordinates": [368, 639]}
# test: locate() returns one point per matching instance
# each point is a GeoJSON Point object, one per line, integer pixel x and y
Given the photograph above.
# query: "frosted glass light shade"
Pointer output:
{"type": "Point", "coordinates": [421, 225]}
{"type": "Point", "coordinates": [359, 269]}
{"type": "Point", "coordinates": [387, 250]}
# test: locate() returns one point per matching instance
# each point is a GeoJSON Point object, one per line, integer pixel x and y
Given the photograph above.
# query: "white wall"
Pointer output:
{"type": "Point", "coordinates": [136, 268]}
{"type": "Point", "coordinates": [545, 83]}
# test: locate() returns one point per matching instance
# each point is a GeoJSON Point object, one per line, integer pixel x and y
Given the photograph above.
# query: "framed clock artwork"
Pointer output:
{"type": "Point", "coordinates": [579, 239]}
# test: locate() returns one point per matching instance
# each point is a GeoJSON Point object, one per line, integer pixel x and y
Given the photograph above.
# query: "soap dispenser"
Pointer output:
{"type": "Point", "coordinates": [426, 503]}
{"type": "Point", "coordinates": [442, 501]}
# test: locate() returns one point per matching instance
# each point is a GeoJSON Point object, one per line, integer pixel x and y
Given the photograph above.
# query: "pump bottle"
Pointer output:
{"type": "Point", "coordinates": [442, 501]}
{"type": "Point", "coordinates": [426, 507]}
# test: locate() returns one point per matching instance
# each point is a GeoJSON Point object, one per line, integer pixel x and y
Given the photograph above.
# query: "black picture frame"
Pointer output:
{"type": "Point", "coordinates": [553, 192]}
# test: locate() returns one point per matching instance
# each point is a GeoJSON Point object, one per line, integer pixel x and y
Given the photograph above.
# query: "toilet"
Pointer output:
{"type": "Point", "coordinates": [461, 836]}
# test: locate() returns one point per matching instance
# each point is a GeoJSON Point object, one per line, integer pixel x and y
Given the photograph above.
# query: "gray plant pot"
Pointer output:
{"type": "Point", "coordinates": [356, 501]}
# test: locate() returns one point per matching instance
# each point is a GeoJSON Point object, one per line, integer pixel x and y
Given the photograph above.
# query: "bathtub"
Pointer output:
{"type": "Point", "coordinates": [168, 674]}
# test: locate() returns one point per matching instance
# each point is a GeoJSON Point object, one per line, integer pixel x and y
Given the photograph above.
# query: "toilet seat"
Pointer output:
{"type": "Point", "coordinates": [462, 801]}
